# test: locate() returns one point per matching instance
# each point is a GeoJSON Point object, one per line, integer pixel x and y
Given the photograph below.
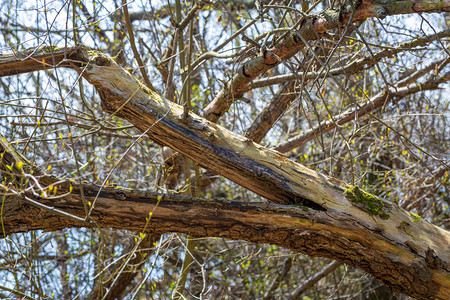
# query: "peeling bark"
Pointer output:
{"type": "Point", "coordinates": [337, 235]}
{"type": "Point", "coordinates": [268, 173]}
{"type": "Point", "coordinates": [309, 213]}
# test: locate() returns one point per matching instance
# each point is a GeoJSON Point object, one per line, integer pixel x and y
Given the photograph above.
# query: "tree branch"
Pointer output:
{"type": "Point", "coordinates": [314, 279]}
{"type": "Point", "coordinates": [392, 94]}
{"type": "Point", "coordinates": [333, 220]}
{"type": "Point", "coordinates": [309, 30]}
{"type": "Point", "coordinates": [352, 67]}
{"type": "Point", "coordinates": [43, 58]}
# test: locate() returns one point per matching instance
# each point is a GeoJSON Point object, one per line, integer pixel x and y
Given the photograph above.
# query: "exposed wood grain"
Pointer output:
{"type": "Point", "coordinates": [316, 233]}
{"type": "Point", "coordinates": [42, 58]}
{"type": "Point", "coordinates": [280, 180]}
{"type": "Point", "coordinates": [411, 256]}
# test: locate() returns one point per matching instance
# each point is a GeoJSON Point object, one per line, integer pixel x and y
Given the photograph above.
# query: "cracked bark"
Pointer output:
{"type": "Point", "coordinates": [334, 235]}
{"type": "Point", "coordinates": [409, 256]}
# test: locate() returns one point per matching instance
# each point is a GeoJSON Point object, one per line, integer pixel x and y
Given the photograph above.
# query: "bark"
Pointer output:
{"type": "Point", "coordinates": [317, 233]}
{"type": "Point", "coordinates": [309, 213]}
{"type": "Point", "coordinates": [272, 112]}
{"type": "Point", "coordinates": [287, 94]}
{"type": "Point", "coordinates": [41, 58]}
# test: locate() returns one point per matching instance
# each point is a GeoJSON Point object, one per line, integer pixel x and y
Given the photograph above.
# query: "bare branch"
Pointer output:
{"type": "Point", "coordinates": [309, 30]}
{"type": "Point", "coordinates": [392, 94]}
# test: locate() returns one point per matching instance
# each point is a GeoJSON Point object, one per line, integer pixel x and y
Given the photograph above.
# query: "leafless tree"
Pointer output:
{"type": "Point", "coordinates": [210, 149]}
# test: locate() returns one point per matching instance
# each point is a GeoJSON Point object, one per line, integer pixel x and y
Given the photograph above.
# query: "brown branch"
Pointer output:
{"type": "Point", "coordinates": [265, 172]}
{"type": "Point", "coordinates": [360, 64]}
{"type": "Point", "coordinates": [310, 30]}
{"type": "Point", "coordinates": [43, 58]}
{"type": "Point", "coordinates": [314, 279]}
{"type": "Point", "coordinates": [100, 33]}
{"type": "Point", "coordinates": [409, 255]}
{"type": "Point", "coordinates": [391, 95]}
{"type": "Point", "coordinates": [311, 232]}
{"type": "Point", "coordinates": [279, 276]}
{"type": "Point", "coordinates": [272, 112]}
{"type": "Point", "coordinates": [212, 146]}
{"type": "Point", "coordinates": [133, 46]}
{"type": "Point", "coordinates": [278, 105]}
{"type": "Point", "coordinates": [115, 284]}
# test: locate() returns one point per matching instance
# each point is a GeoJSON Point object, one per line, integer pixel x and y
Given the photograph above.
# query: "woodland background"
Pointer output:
{"type": "Point", "coordinates": [365, 102]}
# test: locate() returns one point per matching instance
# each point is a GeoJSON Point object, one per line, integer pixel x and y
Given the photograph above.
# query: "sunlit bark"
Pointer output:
{"type": "Point", "coordinates": [310, 213]}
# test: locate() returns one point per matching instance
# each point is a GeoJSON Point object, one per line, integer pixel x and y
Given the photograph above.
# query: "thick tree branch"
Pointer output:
{"type": "Point", "coordinates": [333, 220]}
{"type": "Point", "coordinates": [263, 171]}
{"type": "Point", "coordinates": [401, 264]}
{"type": "Point", "coordinates": [43, 58]}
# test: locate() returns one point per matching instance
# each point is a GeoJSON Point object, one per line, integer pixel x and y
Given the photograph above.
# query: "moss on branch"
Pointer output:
{"type": "Point", "coordinates": [372, 204]}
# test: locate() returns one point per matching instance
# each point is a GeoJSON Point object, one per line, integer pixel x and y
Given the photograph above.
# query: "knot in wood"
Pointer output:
{"type": "Point", "coordinates": [433, 261]}
{"type": "Point", "coordinates": [212, 137]}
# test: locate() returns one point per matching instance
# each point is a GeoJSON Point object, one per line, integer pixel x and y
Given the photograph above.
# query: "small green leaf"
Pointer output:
{"type": "Point", "coordinates": [19, 165]}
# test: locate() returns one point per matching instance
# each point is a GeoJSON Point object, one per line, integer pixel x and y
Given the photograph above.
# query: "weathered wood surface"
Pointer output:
{"type": "Point", "coordinates": [410, 255]}
{"type": "Point", "coordinates": [316, 233]}
{"type": "Point", "coordinates": [309, 213]}
{"type": "Point", "coordinates": [41, 58]}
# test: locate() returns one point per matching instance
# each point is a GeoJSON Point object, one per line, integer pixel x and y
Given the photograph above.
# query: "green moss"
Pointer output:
{"type": "Point", "coordinates": [372, 204]}
{"type": "Point", "coordinates": [415, 217]}
{"type": "Point", "coordinates": [50, 49]}
{"type": "Point", "coordinates": [384, 216]}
